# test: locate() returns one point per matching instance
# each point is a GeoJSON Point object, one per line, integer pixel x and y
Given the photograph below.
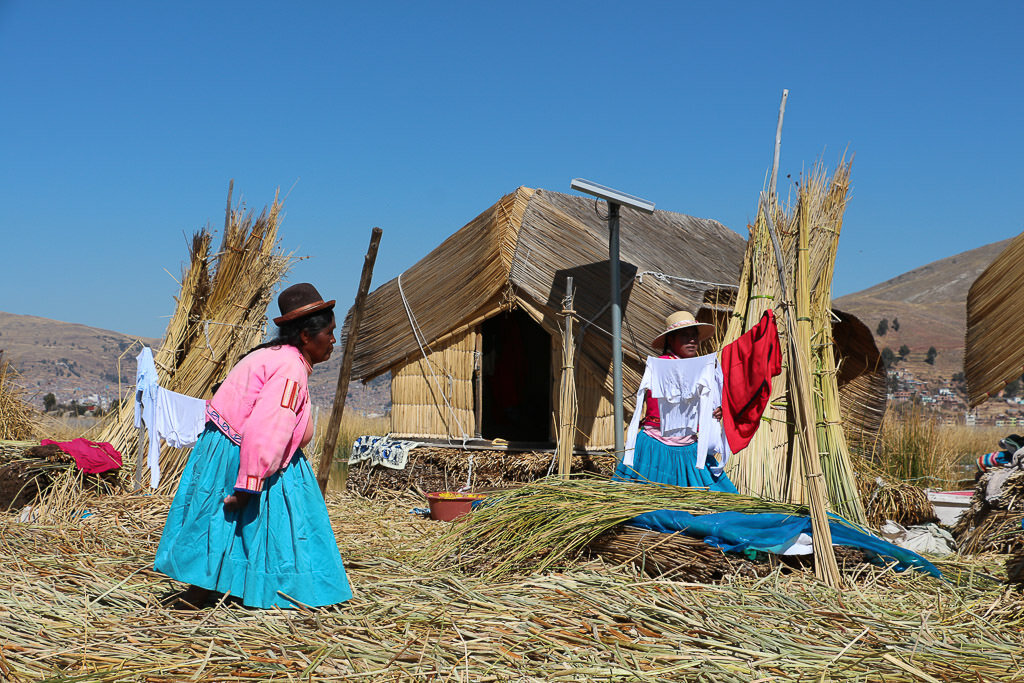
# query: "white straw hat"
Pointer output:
{"type": "Point", "coordinates": [678, 321]}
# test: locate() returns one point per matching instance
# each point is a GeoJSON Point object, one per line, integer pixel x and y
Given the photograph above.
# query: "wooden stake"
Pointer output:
{"type": "Point", "coordinates": [478, 363]}
{"type": "Point", "coordinates": [825, 566]}
{"type": "Point", "coordinates": [334, 425]}
{"type": "Point", "coordinates": [567, 402]}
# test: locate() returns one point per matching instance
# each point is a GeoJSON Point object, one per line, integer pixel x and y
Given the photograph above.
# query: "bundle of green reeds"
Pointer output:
{"type": "Point", "coordinates": [18, 420]}
{"type": "Point", "coordinates": [549, 521]}
{"type": "Point", "coordinates": [220, 315]}
{"type": "Point", "coordinates": [771, 466]}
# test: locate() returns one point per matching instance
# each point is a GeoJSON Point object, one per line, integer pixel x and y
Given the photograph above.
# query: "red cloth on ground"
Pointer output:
{"type": "Point", "coordinates": [748, 365]}
{"type": "Point", "coordinates": [91, 457]}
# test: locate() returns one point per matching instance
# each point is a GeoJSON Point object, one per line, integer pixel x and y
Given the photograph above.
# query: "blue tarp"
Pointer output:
{"type": "Point", "coordinates": [773, 533]}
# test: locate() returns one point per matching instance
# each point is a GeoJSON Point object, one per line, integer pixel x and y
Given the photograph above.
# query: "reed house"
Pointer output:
{"type": "Point", "coordinates": [471, 333]}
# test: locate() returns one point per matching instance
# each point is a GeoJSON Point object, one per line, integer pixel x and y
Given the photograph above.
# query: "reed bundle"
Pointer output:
{"type": "Point", "coordinates": [18, 420]}
{"type": "Point", "coordinates": [886, 497]}
{"type": "Point", "coordinates": [1015, 567]}
{"type": "Point", "coordinates": [437, 468]}
{"type": "Point", "coordinates": [568, 406]}
{"type": "Point", "coordinates": [996, 532]}
{"type": "Point", "coordinates": [545, 523]}
{"type": "Point", "coordinates": [220, 315]}
{"type": "Point", "coordinates": [768, 467]}
{"type": "Point", "coordinates": [992, 358]}
{"type": "Point", "coordinates": [78, 601]}
{"type": "Point", "coordinates": [672, 556]}
{"type": "Point", "coordinates": [771, 466]}
{"type": "Point", "coordinates": [996, 526]}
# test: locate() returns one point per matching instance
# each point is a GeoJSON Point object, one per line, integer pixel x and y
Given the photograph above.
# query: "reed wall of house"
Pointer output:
{"type": "Point", "coordinates": [594, 413]}
{"type": "Point", "coordinates": [432, 396]}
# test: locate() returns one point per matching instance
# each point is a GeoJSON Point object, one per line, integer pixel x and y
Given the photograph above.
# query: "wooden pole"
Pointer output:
{"type": "Point", "coordinates": [478, 361]}
{"type": "Point", "coordinates": [334, 425]}
{"type": "Point", "coordinates": [825, 566]}
{"type": "Point", "coordinates": [567, 402]}
{"type": "Point", "coordinates": [140, 458]}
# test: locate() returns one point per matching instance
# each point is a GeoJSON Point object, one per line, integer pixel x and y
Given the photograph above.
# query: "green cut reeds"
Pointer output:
{"type": "Point", "coordinates": [546, 522]}
{"type": "Point", "coordinates": [771, 466]}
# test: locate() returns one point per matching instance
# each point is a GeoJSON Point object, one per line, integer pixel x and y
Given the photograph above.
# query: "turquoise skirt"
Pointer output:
{"type": "Point", "coordinates": [660, 463]}
{"type": "Point", "coordinates": [279, 546]}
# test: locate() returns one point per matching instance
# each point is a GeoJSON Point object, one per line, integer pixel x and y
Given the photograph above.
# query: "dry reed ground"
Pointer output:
{"type": "Point", "coordinates": [79, 601]}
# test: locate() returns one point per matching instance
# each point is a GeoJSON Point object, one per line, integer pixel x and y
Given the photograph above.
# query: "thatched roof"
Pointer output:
{"type": "Point", "coordinates": [519, 252]}
{"type": "Point", "coordinates": [993, 354]}
{"type": "Point", "coordinates": [861, 378]}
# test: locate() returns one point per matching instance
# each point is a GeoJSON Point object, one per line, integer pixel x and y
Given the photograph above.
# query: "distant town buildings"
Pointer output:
{"type": "Point", "coordinates": [948, 400]}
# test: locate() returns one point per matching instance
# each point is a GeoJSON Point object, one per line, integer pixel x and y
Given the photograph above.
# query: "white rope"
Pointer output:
{"type": "Point", "coordinates": [665, 278]}
{"type": "Point", "coordinates": [469, 476]}
{"type": "Point", "coordinates": [417, 334]}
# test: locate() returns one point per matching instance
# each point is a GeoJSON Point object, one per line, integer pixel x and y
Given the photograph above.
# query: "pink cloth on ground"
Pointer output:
{"type": "Point", "coordinates": [91, 457]}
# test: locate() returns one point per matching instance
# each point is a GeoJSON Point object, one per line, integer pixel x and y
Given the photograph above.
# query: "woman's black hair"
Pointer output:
{"type": "Point", "coordinates": [290, 333]}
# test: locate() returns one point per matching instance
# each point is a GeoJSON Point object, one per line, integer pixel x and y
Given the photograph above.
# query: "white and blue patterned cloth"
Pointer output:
{"type": "Point", "coordinates": [381, 450]}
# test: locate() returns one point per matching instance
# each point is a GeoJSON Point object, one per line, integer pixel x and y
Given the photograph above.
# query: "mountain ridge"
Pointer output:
{"type": "Point", "coordinates": [923, 308]}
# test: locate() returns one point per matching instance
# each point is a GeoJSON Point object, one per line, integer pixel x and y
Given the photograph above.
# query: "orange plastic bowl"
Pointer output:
{"type": "Point", "coordinates": [448, 505]}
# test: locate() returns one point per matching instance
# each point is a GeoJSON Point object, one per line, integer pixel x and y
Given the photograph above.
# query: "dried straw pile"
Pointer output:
{"type": "Point", "coordinates": [681, 558]}
{"type": "Point", "coordinates": [672, 556]}
{"type": "Point", "coordinates": [78, 601]}
{"type": "Point", "coordinates": [770, 467]}
{"type": "Point", "coordinates": [437, 468]}
{"type": "Point", "coordinates": [993, 527]}
{"type": "Point", "coordinates": [18, 420]}
{"type": "Point", "coordinates": [888, 498]}
{"type": "Point", "coordinates": [220, 315]}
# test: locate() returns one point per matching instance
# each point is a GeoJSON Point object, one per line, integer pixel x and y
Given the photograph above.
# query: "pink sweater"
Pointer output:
{"type": "Point", "coordinates": [263, 406]}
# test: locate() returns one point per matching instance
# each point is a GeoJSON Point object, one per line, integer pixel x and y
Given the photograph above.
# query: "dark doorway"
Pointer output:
{"type": "Point", "coordinates": [516, 379]}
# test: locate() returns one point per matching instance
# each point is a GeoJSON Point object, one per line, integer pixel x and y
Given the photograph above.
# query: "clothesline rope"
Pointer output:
{"type": "Point", "coordinates": [665, 278]}
{"type": "Point", "coordinates": [417, 334]}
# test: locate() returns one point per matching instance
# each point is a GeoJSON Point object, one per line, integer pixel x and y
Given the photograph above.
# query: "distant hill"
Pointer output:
{"type": "Point", "coordinates": [77, 361]}
{"type": "Point", "coordinates": [930, 305]}
{"type": "Point", "coordinates": [70, 360]}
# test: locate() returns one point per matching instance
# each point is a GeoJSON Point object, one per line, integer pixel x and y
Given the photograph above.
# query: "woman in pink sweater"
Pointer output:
{"type": "Point", "coordinates": [248, 519]}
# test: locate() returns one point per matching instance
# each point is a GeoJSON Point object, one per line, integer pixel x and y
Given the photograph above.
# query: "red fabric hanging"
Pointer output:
{"type": "Point", "coordinates": [91, 457]}
{"type": "Point", "coordinates": [748, 365]}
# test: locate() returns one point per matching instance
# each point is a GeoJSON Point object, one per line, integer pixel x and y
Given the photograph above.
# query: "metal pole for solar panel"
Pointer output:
{"type": "Point", "coordinates": [615, 200]}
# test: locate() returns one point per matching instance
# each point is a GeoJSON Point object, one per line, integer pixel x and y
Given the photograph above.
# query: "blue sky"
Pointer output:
{"type": "Point", "coordinates": [122, 123]}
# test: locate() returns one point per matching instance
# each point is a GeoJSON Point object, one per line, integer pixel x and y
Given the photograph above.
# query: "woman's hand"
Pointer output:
{"type": "Point", "coordinates": [717, 413]}
{"type": "Point", "coordinates": [237, 500]}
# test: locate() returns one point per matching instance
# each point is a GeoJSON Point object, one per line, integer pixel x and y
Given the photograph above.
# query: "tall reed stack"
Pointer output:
{"type": "Point", "coordinates": [18, 420]}
{"type": "Point", "coordinates": [220, 315]}
{"type": "Point", "coordinates": [770, 467]}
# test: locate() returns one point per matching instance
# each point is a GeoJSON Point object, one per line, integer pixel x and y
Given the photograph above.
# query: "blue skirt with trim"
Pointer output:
{"type": "Point", "coordinates": [279, 546]}
{"type": "Point", "coordinates": [655, 462]}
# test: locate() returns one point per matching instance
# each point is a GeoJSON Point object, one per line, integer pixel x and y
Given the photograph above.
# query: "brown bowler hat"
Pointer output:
{"type": "Point", "coordinates": [300, 300]}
